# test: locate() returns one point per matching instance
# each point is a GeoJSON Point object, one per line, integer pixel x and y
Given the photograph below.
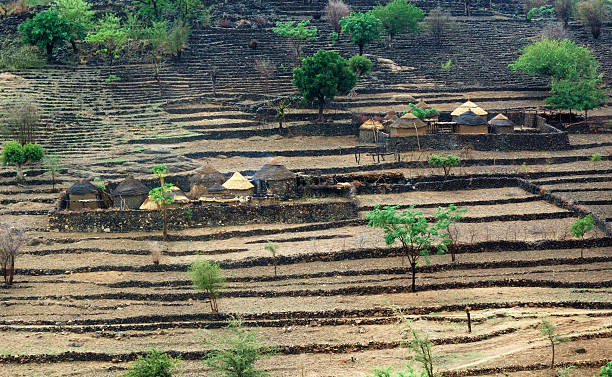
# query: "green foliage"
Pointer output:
{"type": "Point", "coordinates": [422, 348]}
{"type": "Point", "coordinates": [334, 37]}
{"type": "Point", "coordinates": [208, 277]}
{"type": "Point", "coordinates": [363, 28]}
{"type": "Point", "coordinates": [539, 13]}
{"type": "Point", "coordinates": [565, 371]}
{"type": "Point", "coordinates": [152, 10]}
{"type": "Point", "coordinates": [177, 39]}
{"type": "Point", "coordinates": [447, 66]}
{"type": "Point", "coordinates": [322, 76]}
{"type": "Point", "coordinates": [360, 65]}
{"type": "Point", "coordinates": [418, 238]}
{"type": "Point", "coordinates": [109, 35]}
{"type": "Point", "coordinates": [423, 114]}
{"type": "Point", "coordinates": [54, 165]}
{"type": "Point", "coordinates": [153, 364]}
{"type": "Point", "coordinates": [12, 154]}
{"type": "Point", "coordinates": [33, 152]}
{"type": "Point", "coordinates": [112, 78]}
{"type": "Point", "coordinates": [16, 56]}
{"type": "Point", "coordinates": [388, 372]}
{"type": "Point", "coordinates": [446, 163]}
{"type": "Point", "coordinates": [297, 33]}
{"type": "Point", "coordinates": [99, 184]}
{"type": "Point", "coordinates": [235, 352]}
{"type": "Point", "coordinates": [159, 170]}
{"type": "Point", "coordinates": [595, 157]}
{"type": "Point", "coordinates": [582, 226]}
{"type": "Point", "coordinates": [578, 93]}
{"type": "Point", "coordinates": [271, 247]}
{"type": "Point", "coordinates": [606, 370]}
{"type": "Point", "coordinates": [47, 30]}
{"type": "Point", "coordinates": [160, 194]}
{"type": "Point", "coordinates": [79, 15]}
{"type": "Point", "coordinates": [556, 59]}
{"type": "Point", "coordinates": [398, 16]}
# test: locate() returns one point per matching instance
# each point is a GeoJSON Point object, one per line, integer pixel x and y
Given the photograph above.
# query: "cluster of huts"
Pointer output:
{"type": "Point", "coordinates": [206, 186]}
{"type": "Point", "coordinates": [468, 118]}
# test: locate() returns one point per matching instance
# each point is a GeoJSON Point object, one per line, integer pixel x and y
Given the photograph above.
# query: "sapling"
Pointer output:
{"type": "Point", "coordinates": [153, 364]}
{"type": "Point", "coordinates": [272, 248]}
{"type": "Point", "coordinates": [549, 331]}
{"type": "Point", "coordinates": [54, 165]}
{"type": "Point", "coordinates": [446, 163]}
{"type": "Point", "coordinates": [208, 277]}
{"type": "Point", "coordinates": [161, 195]}
{"type": "Point", "coordinates": [580, 228]}
{"type": "Point", "coordinates": [447, 217]}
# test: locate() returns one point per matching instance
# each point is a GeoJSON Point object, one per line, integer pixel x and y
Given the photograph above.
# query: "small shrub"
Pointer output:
{"type": "Point", "coordinates": [20, 121]}
{"type": "Point", "coordinates": [112, 78]}
{"type": "Point", "coordinates": [360, 65]}
{"type": "Point", "coordinates": [595, 157]}
{"type": "Point", "coordinates": [565, 9]}
{"type": "Point", "coordinates": [208, 277]}
{"type": "Point", "coordinates": [334, 37]}
{"type": "Point", "coordinates": [593, 13]}
{"type": "Point", "coordinates": [438, 24]}
{"type": "Point", "coordinates": [606, 370]}
{"type": "Point", "coordinates": [550, 332]}
{"type": "Point", "coordinates": [33, 152]}
{"type": "Point", "coordinates": [153, 364]}
{"type": "Point", "coordinates": [540, 13]}
{"type": "Point", "coordinates": [16, 57]}
{"type": "Point", "coordinates": [447, 66]}
{"type": "Point", "coordinates": [581, 227]}
{"type": "Point", "coordinates": [334, 11]}
{"type": "Point", "coordinates": [446, 163]}
{"type": "Point", "coordinates": [272, 248]}
{"type": "Point", "coordinates": [53, 165]}
{"type": "Point", "coordinates": [253, 44]}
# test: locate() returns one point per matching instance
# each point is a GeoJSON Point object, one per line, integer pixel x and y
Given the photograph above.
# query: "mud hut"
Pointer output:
{"type": "Point", "coordinates": [469, 106]}
{"type": "Point", "coordinates": [218, 194]}
{"type": "Point", "coordinates": [389, 119]}
{"type": "Point", "coordinates": [500, 124]}
{"type": "Point", "coordinates": [278, 179]}
{"type": "Point", "coordinates": [130, 194]}
{"type": "Point", "coordinates": [368, 130]}
{"type": "Point", "coordinates": [83, 195]}
{"type": "Point", "coordinates": [470, 123]}
{"type": "Point", "coordinates": [408, 125]}
{"type": "Point", "coordinates": [202, 179]}
{"type": "Point", "coordinates": [179, 199]}
{"type": "Point", "coordinates": [239, 185]}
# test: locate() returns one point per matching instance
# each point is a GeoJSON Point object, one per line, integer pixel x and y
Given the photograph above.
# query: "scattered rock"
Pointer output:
{"type": "Point", "coordinates": [580, 350]}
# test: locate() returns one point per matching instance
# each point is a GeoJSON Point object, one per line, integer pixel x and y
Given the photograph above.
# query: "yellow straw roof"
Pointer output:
{"type": "Point", "coordinates": [238, 182]}
{"type": "Point", "coordinates": [469, 106]}
{"type": "Point", "coordinates": [371, 124]}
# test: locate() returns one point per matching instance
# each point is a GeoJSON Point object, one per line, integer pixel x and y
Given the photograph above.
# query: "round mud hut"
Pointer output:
{"type": "Point", "coordinates": [278, 179]}
{"type": "Point", "coordinates": [408, 125]}
{"type": "Point", "coordinates": [218, 194]}
{"type": "Point", "coordinates": [83, 195]}
{"type": "Point", "coordinates": [239, 185]}
{"type": "Point", "coordinates": [389, 119]}
{"type": "Point", "coordinates": [500, 124]}
{"type": "Point", "coordinates": [367, 131]}
{"type": "Point", "coordinates": [202, 179]}
{"type": "Point", "coordinates": [469, 106]}
{"type": "Point", "coordinates": [130, 194]}
{"type": "Point", "coordinates": [470, 123]}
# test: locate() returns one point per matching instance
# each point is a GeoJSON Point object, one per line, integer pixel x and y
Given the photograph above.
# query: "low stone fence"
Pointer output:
{"type": "Point", "coordinates": [112, 220]}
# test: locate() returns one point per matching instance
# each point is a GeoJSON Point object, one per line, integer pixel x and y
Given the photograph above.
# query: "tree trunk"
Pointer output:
{"type": "Point", "coordinates": [165, 231]}
{"type": "Point", "coordinates": [552, 363]}
{"type": "Point", "coordinates": [49, 51]}
{"type": "Point", "coordinates": [274, 259]}
{"type": "Point", "coordinates": [360, 50]}
{"type": "Point", "coordinates": [11, 270]}
{"type": "Point", "coordinates": [413, 269]}
{"type": "Point", "coordinates": [321, 106]}
{"type": "Point", "coordinates": [586, 117]}
{"type": "Point", "coordinates": [20, 177]}
{"type": "Point", "coordinates": [280, 126]}
{"type": "Point", "coordinates": [75, 49]}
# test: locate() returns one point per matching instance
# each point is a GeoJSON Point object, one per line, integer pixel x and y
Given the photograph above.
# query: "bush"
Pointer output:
{"type": "Point", "coordinates": [16, 57]}
{"type": "Point", "coordinates": [360, 65]}
{"type": "Point", "coordinates": [33, 152]}
{"type": "Point", "coordinates": [334, 11]}
{"type": "Point", "coordinates": [595, 157]}
{"type": "Point", "coordinates": [398, 16]}
{"type": "Point", "coordinates": [606, 370]}
{"type": "Point", "coordinates": [445, 163]}
{"type": "Point", "coordinates": [208, 277]}
{"type": "Point", "coordinates": [297, 34]}
{"type": "Point", "coordinates": [539, 13]}
{"type": "Point", "coordinates": [592, 13]}
{"type": "Point", "coordinates": [363, 28]}
{"type": "Point", "coordinates": [47, 30]}
{"type": "Point", "coordinates": [12, 154]}
{"type": "Point", "coordinates": [565, 10]}
{"type": "Point", "coordinates": [154, 364]}
{"type": "Point", "coordinates": [438, 23]}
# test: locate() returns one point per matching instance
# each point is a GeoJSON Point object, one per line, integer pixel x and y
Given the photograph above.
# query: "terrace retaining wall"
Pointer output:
{"type": "Point", "coordinates": [204, 216]}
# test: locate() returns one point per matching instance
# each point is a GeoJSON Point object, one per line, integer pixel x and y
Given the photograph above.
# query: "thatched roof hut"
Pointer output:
{"type": "Point", "coordinates": [368, 129]}
{"type": "Point", "coordinates": [82, 194]}
{"type": "Point", "coordinates": [203, 178]}
{"type": "Point", "coordinates": [470, 123]}
{"type": "Point", "coordinates": [179, 199]}
{"type": "Point", "coordinates": [422, 104]}
{"type": "Point", "coordinates": [278, 179]}
{"type": "Point", "coordinates": [371, 124]}
{"type": "Point", "coordinates": [239, 185]}
{"type": "Point", "coordinates": [408, 125]}
{"type": "Point", "coordinates": [469, 106]}
{"type": "Point", "coordinates": [389, 119]}
{"type": "Point", "coordinates": [500, 124]}
{"type": "Point", "coordinates": [130, 193]}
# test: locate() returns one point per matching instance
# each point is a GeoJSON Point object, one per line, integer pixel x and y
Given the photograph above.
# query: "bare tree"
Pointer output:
{"type": "Point", "coordinates": [334, 11]}
{"type": "Point", "coordinates": [564, 9]}
{"type": "Point", "coordinates": [214, 73]}
{"type": "Point", "coordinates": [438, 23]}
{"type": "Point", "coordinates": [593, 14]}
{"type": "Point", "coordinates": [12, 238]}
{"type": "Point", "coordinates": [265, 67]}
{"type": "Point", "coordinates": [20, 120]}
{"type": "Point", "coordinates": [554, 32]}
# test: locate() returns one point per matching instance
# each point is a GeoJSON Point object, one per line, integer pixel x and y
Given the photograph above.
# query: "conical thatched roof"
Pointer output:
{"type": "Point", "coordinates": [469, 118]}
{"type": "Point", "coordinates": [130, 186]}
{"type": "Point", "coordinates": [273, 171]}
{"type": "Point", "coordinates": [82, 187]}
{"type": "Point", "coordinates": [390, 117]}
{"type": "Point", "coordinates": [408, 120]}
{"type": "Point", "coordinates": [371, 124]}
{"type": "Point", "coordinates": [216, 189]}
{"type": "Point", "coordinates": [501, 120]}
{"type": "Point", "coordinates": [422, 104]}
{"type": "Point", "coordinates": [207, 176]}
{"type": "Point", "coordinates": [469, 106]}
{"type": "Point", "coordinates": [238, 182]}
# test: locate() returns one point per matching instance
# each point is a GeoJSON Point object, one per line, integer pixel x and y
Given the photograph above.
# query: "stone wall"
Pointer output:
{"type": "Point", "coordinates": [205, 216]}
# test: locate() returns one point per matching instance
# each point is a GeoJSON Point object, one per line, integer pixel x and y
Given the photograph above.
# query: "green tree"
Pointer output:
{"type": "Point", "coordinates": [161, 195]}
{"type": "Point", "coordinates": [79, 14]}
{"type": "Point", "coordinates": [360, 65]}
{"type": "Point", "coordinates": [15, 154]}
{"type": "Point", "coordinates": [177, 39]}
{"type": "Point", "coordinates": [580, 93]}
{"type": "Point", "coordinates": [550, 332]}
{"type": "Point", "coordinates": [110, 37]}
{"type": "Point", "coordinates": [208, 277]}
{"type": "Point", "coordinates": [446, 163]}
{"type": "Point", "coordinates": [151, 10]}
{"type": "Point", "coordinates": [446, 218]}
{"type": "Point", "coordinates": [54, 165]}
{"type": "Point", "coordinates": [416, 236]}
{"type": "Point", "coordinates": [322, 76]}
{"type": "Point", "coordinates": [606, 370]}
{"type": "Point", "coordinates": [580, 228]}
{"type": "Point", "coordinates": [298, 34]}
{"type": "Point", "coordinates": [235, 352]}
{"type": "Point", "coordinates": [272, 248]}
{"type": "Point", "coordinates": [363, 28]}
{"type": "Point", "coordinates": [556, 60]}
{"type": "Point", "coordinates": [47, 30]}
{"type": "Point", "coordinates": [423, 114]}
{"type": "Point", "coordinates": [153, 364]}
{"type": "Point", "coordinates": [398, 16]}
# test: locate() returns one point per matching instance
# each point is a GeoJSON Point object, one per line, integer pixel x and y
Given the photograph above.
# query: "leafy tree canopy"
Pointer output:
{"type": "Point", "coordinates": [582, 226]}
{"type": "Point", "coordinates": [301, 31]}
{"type": "Point", "coordinates": [47, 30]}
{"type": "Point", "coordinates": [360, 65]}
{"type": "Point", "coordinates": [582, 94]}
{"type": "Point", "coordinates": [322, 76]}
{"type": "Point", "coordinates": [110, 35]}
{"type": "Point", "coordinates": [78, 13]}
{"type": "Point", "coordinates": [363, 28]}
{"type": "Point", "coordinates": [399, 16]}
